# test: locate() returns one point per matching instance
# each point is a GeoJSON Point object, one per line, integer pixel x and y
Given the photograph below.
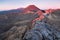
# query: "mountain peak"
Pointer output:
{"type": "Point", "coordinates": [31, 8]}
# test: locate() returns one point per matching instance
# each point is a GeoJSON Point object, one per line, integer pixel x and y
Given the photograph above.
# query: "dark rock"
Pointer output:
{"type": "Point", "coordinates": [42, 31]}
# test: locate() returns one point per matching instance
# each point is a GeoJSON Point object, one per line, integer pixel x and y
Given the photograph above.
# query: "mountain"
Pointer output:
{"type": "Point", "coordinates": [31, 8]}
{"type": "Point", "coordinates": [19, 10]}
{"type": "Point", "coordinates": [16, 22]}
{"type": "Point", "coordinates": [49, 11]}
{"type": "Point", "coordinates": [7, 18]}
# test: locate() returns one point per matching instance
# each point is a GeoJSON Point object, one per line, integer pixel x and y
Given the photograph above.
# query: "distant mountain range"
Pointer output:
{"type": "Point", "coordinates": [12, 11]}
{"type": "Point", "coordinates": [31, 8]}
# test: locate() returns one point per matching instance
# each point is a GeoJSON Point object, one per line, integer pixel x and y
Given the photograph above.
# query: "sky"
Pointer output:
{"type": "Point", "coordinates": [42, 4]}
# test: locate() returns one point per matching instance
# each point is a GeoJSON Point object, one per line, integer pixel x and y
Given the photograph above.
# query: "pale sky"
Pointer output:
{"type": "Point", "coordinates": [42, 4]}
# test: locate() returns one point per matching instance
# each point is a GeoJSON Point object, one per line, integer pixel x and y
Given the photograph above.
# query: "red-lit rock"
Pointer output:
{"type": "Point", "coordinates": [39, 12]}
{"type": "Point", "coordinates": [31, 8]}
{"type": "Point", "coordinates": [49, 11]}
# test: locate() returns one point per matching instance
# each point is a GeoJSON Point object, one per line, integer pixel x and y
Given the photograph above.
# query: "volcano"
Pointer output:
{"type": "Point", "coordinates": [31, 8]}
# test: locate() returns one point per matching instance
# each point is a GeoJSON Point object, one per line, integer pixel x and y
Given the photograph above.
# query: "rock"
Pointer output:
{"type": "Point", "coordinates": [42, 31]}
{"type": "Point", "coordinates": [15, 33]}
